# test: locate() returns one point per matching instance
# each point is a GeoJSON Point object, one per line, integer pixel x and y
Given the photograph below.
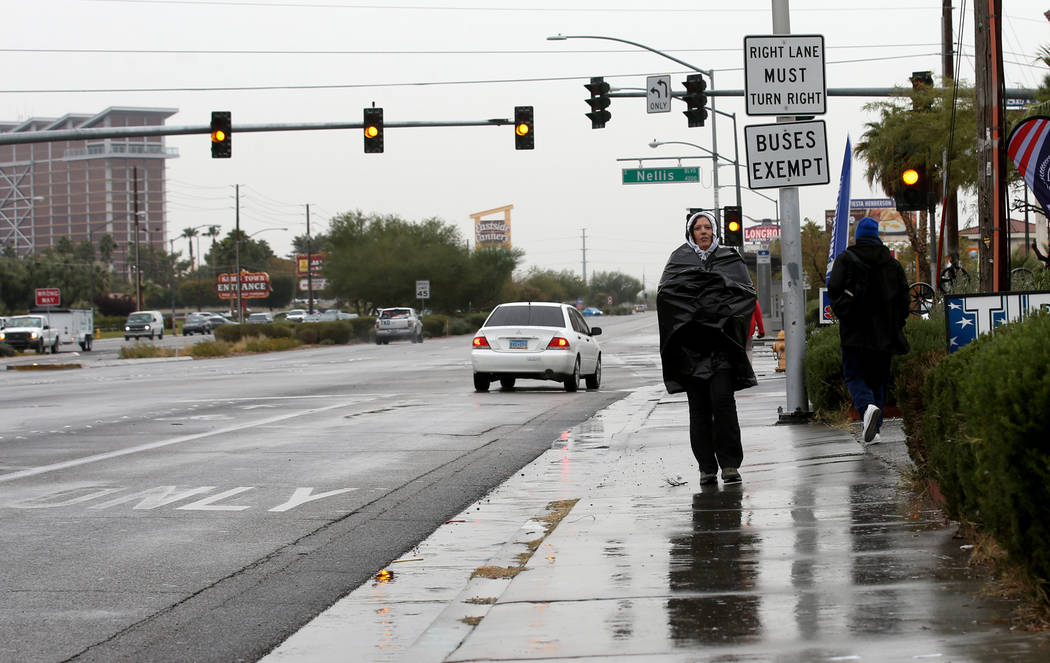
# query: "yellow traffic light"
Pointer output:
{"type": "Point", "coordinates": [521, 129]}
{"type": "Point", "coordinates": [218, 136]}
{"type": "Point", "coordinates": [734, 226]}
{"type": "Point", "coordinates": [371, 131]}
{"type": "Point", "coordinates": [910, 176]}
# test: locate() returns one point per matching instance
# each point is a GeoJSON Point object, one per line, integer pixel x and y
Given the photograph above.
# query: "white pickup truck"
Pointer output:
{"type": "Point", "coordinates": [398, 323]}
{"type": "Point", "coordinates": [49, 329]}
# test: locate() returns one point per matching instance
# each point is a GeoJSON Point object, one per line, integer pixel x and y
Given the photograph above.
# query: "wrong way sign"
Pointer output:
{"type": "Point", "coordinates": [786, 154]}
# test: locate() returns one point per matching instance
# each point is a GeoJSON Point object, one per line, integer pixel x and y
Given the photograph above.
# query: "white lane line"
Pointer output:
{"type": "Point", "coordinates": [164, 443]}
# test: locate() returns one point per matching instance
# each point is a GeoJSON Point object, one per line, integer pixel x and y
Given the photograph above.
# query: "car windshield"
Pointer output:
{"type": "Point", "coordinates": [139, 317]}
{"type": "Point", "coordinates": [394, 313]}
{"type": "Point", "coordinates": [196, 317]}
{"type": "Point", "coordinates": [25, 321]}
{"type": "Point", "coordinates": [525, 315]}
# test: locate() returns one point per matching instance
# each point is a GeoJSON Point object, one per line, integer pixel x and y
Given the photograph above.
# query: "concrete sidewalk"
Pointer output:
{"type": "Point", "coordinates": [606, 548]}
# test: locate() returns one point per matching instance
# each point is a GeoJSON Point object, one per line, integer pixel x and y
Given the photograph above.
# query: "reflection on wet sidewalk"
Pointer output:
{"type": "Point", "coordinates": [820, 555]}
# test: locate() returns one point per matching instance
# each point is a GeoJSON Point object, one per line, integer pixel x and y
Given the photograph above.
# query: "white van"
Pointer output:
{"type": "Point", "coordinates": [144, 323]}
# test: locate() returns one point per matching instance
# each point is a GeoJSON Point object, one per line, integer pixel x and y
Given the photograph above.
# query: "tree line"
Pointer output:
{"type": "Point", "coordinates": [370, 261]}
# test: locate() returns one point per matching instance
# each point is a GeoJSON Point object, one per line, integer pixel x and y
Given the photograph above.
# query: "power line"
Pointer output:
{"type": "Point", "coordinates": [348, 86]}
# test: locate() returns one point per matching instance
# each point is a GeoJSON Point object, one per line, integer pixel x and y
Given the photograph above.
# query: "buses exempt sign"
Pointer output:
{"type": "Point", "coordinates": [786, 154]}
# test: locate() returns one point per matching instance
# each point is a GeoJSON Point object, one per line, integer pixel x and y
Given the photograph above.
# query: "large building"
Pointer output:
{"type": "Point", "coordinates": [85, 189]}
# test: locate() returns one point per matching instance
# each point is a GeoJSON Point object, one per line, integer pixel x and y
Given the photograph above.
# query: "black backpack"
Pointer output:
{"type": "Point", "coordinates": [855, 287]}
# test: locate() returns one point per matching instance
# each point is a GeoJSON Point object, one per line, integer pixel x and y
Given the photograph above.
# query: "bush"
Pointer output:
{"type": "Point", "coordinates": [927, 342]}
{"type": "Point", "coordinates": [475, 320]}
{"type": "Point", "coordinates": [435, 325]}
{"type": "Point", "coordinates": [270, 344]}
{"type": "Point", "coordinates": [7, 351]}
{"type": "Point", "coordinates": [460, 326]}
{"type": "Point", "coordinates": [211, 348]}
{"type": "Point", "coordinates": [337, 333]}
{"type": "Point", "coordinates": [144, 351]}
{"type": "Point", "coordinates": [823, 367]}
{"type": "Point", "coordinates": [229, 333]}
{"type": "Point", "coordinates": [307, 332]}
{"type": "Point", "coordinates": [988, 438]}
{"type": "Point", "coordinates": [363, 328]}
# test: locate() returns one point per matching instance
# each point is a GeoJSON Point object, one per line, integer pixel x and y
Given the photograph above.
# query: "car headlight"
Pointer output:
{"type": "Point", "coordinates": [127, 329]}
{"type": "Point", "coordinates": [33, 336]}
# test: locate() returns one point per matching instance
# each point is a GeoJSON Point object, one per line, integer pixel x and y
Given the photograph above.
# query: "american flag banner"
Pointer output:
{"type": "Point", "coordinates": [1029, 149]}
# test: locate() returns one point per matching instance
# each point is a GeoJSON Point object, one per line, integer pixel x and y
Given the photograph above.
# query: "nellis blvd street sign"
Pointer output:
{"type": "Point", "coordinates": [661, 175]}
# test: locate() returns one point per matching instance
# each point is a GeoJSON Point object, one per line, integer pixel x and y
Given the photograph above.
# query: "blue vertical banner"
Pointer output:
{"type": "Point", "coordinates": [840, 227]}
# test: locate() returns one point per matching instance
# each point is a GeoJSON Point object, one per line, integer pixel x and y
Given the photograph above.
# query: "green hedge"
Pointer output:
{"type": "Point", "coordinates": [987, 432]}
{"type": "Point", "coordinates": [823, 365]}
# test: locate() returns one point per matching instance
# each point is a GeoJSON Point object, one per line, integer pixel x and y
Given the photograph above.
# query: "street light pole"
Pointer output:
{"type": "Point", "coordinates": [706, 72]}
{"type": "Point", "coordinates": [714, 160]}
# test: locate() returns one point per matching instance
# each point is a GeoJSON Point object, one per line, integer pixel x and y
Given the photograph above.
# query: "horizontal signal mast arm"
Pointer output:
{"type": "Point", "coordinates": [137, 132]}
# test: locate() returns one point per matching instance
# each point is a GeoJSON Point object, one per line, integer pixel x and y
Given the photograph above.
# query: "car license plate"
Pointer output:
{"type": "Point", "coordinates": [518, 344]}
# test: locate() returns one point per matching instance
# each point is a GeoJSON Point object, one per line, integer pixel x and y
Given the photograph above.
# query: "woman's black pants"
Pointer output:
{"type": "Point", "coordinates": [714, 432]}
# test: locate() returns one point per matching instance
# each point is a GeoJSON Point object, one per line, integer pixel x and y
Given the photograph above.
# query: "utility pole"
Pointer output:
{"type": "Point", "coordinates": [309, 264]}
{"type": "Point", "coordinates": [584, 236]}
{"type": "Point", "coordinates": [950, 235]}
{"type": "Point", "coordinates": [237, 252]}
{"type": "Point", "coordinates": [135, 213]}
{"type": "Point", "coordinates": [991, 160]}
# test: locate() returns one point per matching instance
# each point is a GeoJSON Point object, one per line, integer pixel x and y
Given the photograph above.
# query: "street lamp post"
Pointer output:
{"type": "Point", "coordinates": [714, 162]}
{"type": "Point", "coordinates": [237, 258]}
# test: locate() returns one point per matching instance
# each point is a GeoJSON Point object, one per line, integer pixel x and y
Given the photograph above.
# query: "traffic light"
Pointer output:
{"type": "Point", "coordinates": [733, 218]}
{"type": "Point", "coordinates": [912, 191]}
{"type": "Point", "coordinates": [373, 130]}
{"type": "Point", "coordinates": [221, 130]}
{"type": "Point", "coordinates": [523, 128]}
{"type": "Point", "coordinates": [599, 102]}
{"type": "Point", "coordinates": [695, 99]}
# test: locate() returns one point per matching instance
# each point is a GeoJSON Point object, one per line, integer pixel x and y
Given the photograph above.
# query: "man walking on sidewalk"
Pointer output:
{"type": "Point", "coordinates": [869, 295]}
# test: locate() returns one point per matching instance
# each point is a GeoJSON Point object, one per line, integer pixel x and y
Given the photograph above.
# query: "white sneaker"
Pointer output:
{"type": "Point", "coordinates": [871, 422]}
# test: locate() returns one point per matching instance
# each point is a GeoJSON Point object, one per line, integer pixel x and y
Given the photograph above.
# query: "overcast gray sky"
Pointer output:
{"type": "Point", "coordinates": [324, 60]}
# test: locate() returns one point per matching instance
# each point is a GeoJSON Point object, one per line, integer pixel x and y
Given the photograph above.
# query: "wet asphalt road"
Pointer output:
{"type": "Point", "coordinates": [204, 510]}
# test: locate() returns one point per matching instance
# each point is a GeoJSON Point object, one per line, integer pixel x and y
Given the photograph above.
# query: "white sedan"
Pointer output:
{"type": "Point", "coordinates": [536, 341]}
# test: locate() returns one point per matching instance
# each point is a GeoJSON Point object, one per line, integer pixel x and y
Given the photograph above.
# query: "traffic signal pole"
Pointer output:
{"type": "Point", "coordinates": [21, 138]}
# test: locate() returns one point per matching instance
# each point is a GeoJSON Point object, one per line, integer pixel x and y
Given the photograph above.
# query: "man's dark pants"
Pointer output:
{"type": "Point", "coordinates": [867, 376]}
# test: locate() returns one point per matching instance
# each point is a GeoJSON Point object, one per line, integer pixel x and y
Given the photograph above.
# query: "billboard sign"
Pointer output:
{"type": "Point", "coordinates": [254, 285]}
{"type": "Point", "coordinates": [316, 262]}
{"type": "Point", "coordinates": [766, 232]}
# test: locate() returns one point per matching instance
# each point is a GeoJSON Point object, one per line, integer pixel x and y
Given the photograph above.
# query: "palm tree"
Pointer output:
{"type": "Point", "coordinates": [189, 234]}
{"type": "Point", "coordinates": [213, 232]}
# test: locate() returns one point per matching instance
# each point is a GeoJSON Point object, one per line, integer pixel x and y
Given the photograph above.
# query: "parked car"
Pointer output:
{"type": "Point", "coordinates": [259, 318]}
{"type": "Point", "coordinates": [590, 310]}
{"type": "Point", "coordinates": [295, 315]}
{"type": "Point", "coordinates": [144, 323]}
{"type": "Point", "coordinates": [197, 323]}
{"type": "Point", "coordinates": [398, 323]}
{"type": "Point", "coordinates": [218, 319]}
{"type": "Point", "coordinates": [536, 341]}
{"type": "Point", "coordinates": [333, 314]}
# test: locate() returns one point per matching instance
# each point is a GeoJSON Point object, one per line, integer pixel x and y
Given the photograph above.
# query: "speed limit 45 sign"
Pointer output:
{"type": "Point", "coordinates": [422, 289]}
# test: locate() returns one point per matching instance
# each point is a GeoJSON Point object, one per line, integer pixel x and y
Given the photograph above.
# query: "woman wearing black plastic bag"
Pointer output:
{"type": "Point", "coordinates": [704, 304]}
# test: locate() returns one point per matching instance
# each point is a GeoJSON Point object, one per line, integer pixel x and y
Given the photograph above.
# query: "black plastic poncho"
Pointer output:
{"type": "Point", "coordinates": [704, 311]}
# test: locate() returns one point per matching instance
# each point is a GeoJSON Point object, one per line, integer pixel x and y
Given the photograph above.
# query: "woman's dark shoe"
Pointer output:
{"type": "Point", "coordinates": [708, 478]}
{"type": "Point", "coordinates": [731, 475]}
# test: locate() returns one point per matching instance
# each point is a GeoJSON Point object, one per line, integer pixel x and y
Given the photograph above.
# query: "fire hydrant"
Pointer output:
{"type": "Point", "coordinates": [780, 348]}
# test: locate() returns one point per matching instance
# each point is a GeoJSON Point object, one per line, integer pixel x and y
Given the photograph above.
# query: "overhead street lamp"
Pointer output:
{"type": "Point", "coordinates": [237, 273]}
{"type": "Point", "coordinates": [714, 161]}
{"type": "Point", "coordinates": [706, 72]}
